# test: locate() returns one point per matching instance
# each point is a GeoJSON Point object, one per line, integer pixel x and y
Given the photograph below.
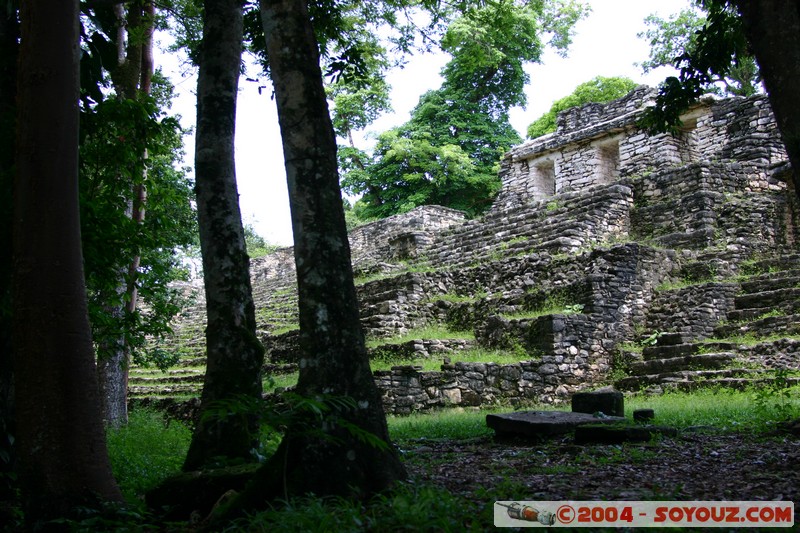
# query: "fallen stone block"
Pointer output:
{"type": "Point", "coordinates": [542, 424]}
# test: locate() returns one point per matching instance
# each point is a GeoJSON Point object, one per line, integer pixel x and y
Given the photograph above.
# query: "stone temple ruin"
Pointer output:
{"type": "Point", "coordinates": [663, 261]}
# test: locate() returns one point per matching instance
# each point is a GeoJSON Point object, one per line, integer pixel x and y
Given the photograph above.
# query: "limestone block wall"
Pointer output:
{"type": "Point", "coordinates": [388, 239]}
{"type": "Point", "coordinates": [404, 236]}
{"type": "Point", "coordinates": [693, 311]}
{"type": "Point", "coordinates": [596, 117]}
{"type": "Point", "coordinates": [406, 389]}
{"type": "Point", "coordinates": [566, 223]}
{"type": "Point", "coordinates": [596, 144]}
{"type": "Point", "coordinates": [584, 150]}
{"type": "Point", "coordinates": [740, 129]}
{"type": "Point", "coordinates": [697, 205]}
{"type": "Point", "coordinates": [277, 265]}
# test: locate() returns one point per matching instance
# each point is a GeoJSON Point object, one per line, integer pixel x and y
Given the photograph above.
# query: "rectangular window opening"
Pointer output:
{"type": "Point", "coordinates": [608, 162]}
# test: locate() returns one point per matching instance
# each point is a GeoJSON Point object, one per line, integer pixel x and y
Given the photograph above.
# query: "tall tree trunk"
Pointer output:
{"type": "Point", "coordinates": [333, 358]}
{"type": "Point", "coordinates": [773, 30]}
{"type": "Point", "coordinates": [234, 354]}
{"type": "Point", "coordinates": [9, 49]}
{"type": "Point", "coordinates": [132, 79]}
{"type": "Point", "coordinates": [61, 443]}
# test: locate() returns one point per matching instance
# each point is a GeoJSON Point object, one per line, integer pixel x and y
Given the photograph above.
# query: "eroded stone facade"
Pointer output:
{"type": "Point", "coordinates": [599, 216]}
{"type": "Point", "coordinates": [596, 144]}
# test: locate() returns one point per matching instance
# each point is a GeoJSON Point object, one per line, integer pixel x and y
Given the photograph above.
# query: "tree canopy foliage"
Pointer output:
{"type": "Point", "coordinates": [449, 150]}
{"type": "Point", "coordinates": [678, 36]}
{"type": "Point", "coordinates": [115, 134]}
{"type": "Point", "coordinates": [599, 89]}
{"type": "Point", "coordinates": [118, 127]}
{"type": "Point", "coordinates": [719, 45]}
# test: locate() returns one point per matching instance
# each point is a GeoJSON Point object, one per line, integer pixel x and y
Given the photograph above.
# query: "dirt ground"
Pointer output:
{"type": "Point", "coordinates": [695, 465]}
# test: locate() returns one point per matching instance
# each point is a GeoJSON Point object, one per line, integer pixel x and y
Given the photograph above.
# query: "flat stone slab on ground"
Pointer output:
{"type": "Point", "coordinates": [542, 424]}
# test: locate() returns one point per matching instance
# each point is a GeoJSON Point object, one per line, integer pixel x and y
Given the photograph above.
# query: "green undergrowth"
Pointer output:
{"type": "Point", "coordinates": [445, 424]}
{"type": "Point", "coordinates": [428, 364]}
{"type": "Point", "coordinates": [146, 451]}
{"type": "Point", "coordinates": [409, 507]}
{"type": "Point", "coordinates": [749, 339]}
{"type": "Point", "coordinates": [405, 267]}
{"type": "Point", "coordinates": [455, 298]}
{"type": "Point", "coordinates": [432, 332]}
{"type": "Point", "coordinates": [756, 409]}
{"type": "Point", "coordinates": [555, 305]}
{"type": "Point", "coordinates": [284, 381]}
{"type": "Point", "coordinates": [434, 363]}
{"type": "Point", "coordinates": [284, 329]}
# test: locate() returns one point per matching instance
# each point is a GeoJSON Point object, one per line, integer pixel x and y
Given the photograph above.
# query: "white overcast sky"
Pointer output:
{"type": "Point", "coordinates": [605, 44]}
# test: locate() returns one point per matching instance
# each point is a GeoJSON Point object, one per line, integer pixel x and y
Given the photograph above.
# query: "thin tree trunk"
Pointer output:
{"type": "Point", "coordinates": [234, 354]}
{"type": "Point", "coordinates": [333, 358]}
{"type": "Point", "coordinates": [132, 79]}
{"type": "Point", "coordinates": [61, 443]}
{"type": "Point", "coordinates": [112, 371]}
{"type": "Point", "coordinates": [773, 30]}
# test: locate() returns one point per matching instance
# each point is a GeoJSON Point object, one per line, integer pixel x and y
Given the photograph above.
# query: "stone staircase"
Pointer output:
{"type": "Point", "coordinates": [760, 334]}
{"type": "Point", "coordinates": [184, 380]}
{"type": "Point", "coordinates": [565, 223]}
{"type": "Point", "coordinates": [657, 244]}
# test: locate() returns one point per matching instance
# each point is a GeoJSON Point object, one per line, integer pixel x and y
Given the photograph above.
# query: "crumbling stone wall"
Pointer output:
{"type": "Point", "coordinates": [407, 389]}
{"type": "Point", "coordinates": [400, 237]}
{"type": "Point", "coordinates": [596, 144]}
{"type": "Point", "coordinates": [693, 311]}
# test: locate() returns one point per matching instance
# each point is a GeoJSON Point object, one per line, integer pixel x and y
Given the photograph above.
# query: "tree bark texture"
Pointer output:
{"type": "Point", "coordinates": [235, 355]}
{"type": "Point", "coordinates": [60, 439]}
{"type": "Point", "coordinates": [333, 358]}
{"type": "Point", "coordinates": [132, 78]}
{"type": "Point", "coordinates": [9, 50]}
{"type": "Point", "coordinates": [773, 30]}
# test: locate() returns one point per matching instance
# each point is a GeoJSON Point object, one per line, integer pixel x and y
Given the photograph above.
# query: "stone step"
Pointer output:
{"type": "Point", "coordinates": [763, 327]}
{"type": "Point", "coordinates": [771, 281]}
{"type": "Point", "coordinates": [756, 313]}
{"type": "Point", "coordinates": [671, 339]}
{"type": "Point", "coordinates": [693, 239]}
{"type": "Point", "coordinates": [688, 348]}
{"type": "Point", "coordinates": [154, 372]}
{"type": "Point", "coordinates": [542, 228]}
{"type": "Point", "coordinates": [566, 205]}
{"type": "Point", "coordinates": [192, 361]}
{"type": "Point", "coordinates": [765, 299]}
{"type": "Point", "coordinates": [636, 383]}
{"type": "Point", "coordinates": [673, 364]}
{"type": "Point", "coordinates": [163, 380]}
{"type": "Point", "coordinates": [777, 263]}
{"type": "Point", "coordinates": [421, 348]}
{"type": "Point", "coordinates": [667, 351]}
{"type": "Point", "coordinates": [534, 227]}
{"type": "Point", "coordinates": [731, 383]}
{"type": "Point", "coordinates": [165, 390]}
